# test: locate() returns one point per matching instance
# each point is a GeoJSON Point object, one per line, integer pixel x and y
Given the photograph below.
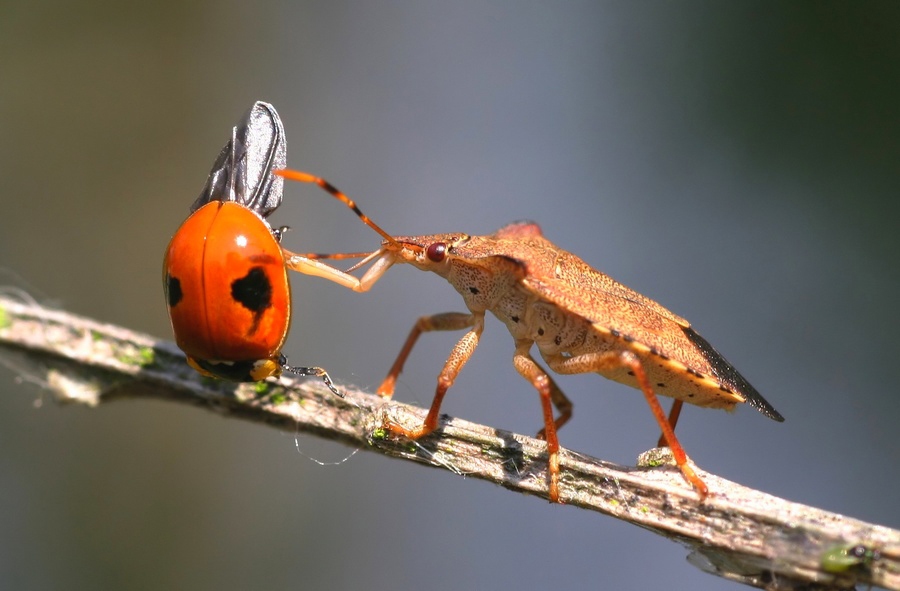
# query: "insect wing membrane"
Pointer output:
{"type": "Point", "coordinates": [243, 169]}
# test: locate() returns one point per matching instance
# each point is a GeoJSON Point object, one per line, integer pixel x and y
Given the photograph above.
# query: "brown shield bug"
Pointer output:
{"type": "Point", "coordinates": [580, 319]}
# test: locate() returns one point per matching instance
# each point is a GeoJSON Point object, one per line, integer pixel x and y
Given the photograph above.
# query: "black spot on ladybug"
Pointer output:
{"type": "Point", "coordinates": [173, 290]}
{"type": "Point", "coordinates": [254, 292]}
{"type": "Point", "coordinates": [474, 290]}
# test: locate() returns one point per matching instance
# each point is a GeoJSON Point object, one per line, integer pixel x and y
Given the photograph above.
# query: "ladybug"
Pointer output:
{"type": "Point", "coordinates": [225, 277]}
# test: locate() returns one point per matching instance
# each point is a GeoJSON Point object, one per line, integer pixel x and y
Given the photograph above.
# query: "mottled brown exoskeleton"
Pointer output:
{"type": "Point", "coordinates": [580, 319]}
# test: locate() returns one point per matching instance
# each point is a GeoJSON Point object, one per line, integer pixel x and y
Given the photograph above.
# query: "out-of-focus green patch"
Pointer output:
{"type": "Point", "coordinates": [144, 357]}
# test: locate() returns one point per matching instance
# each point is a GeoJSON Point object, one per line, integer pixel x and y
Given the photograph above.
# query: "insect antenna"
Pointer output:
{"type": "Point", "coordinates": [305, 177]}
{"type": "Point", "coordinates": [333, 255]}
{"type": "Point", "coordinates": [337, 256]}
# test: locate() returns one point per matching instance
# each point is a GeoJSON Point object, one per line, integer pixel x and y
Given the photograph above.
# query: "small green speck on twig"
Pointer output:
{"type": "Point", "coordinates": [143, 357]}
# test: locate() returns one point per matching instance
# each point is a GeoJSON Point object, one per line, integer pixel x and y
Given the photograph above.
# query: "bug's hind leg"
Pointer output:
{"type": "Point", "coordinates": [608, 360]}
{"type": "Point", "coordinates": [674, 413]}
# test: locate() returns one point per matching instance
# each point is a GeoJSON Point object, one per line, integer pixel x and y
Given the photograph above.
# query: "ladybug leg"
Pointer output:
{"type": "Point", "coordinates": [311, 372]}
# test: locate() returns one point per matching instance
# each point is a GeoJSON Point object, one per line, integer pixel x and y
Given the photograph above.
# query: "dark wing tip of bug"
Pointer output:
{"type": "Point", "coordinates": [728, 375]}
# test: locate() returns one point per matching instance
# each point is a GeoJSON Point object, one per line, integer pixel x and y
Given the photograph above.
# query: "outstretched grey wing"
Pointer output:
{"type": "Point", "coordinates": [242, 172]}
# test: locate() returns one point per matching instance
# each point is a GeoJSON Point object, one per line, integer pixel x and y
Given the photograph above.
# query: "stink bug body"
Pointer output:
{"type": "Point", "coordinates": [580, 319]}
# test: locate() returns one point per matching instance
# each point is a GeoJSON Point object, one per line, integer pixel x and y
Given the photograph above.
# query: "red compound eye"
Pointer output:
{"type": "Point", "coordinates": [436, 252]}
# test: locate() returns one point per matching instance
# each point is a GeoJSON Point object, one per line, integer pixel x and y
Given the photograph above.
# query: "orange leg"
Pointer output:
{"type": "Point", "coordinates": [445, 321]}
{"type": "Point", "coordinates": [458, 357]}
{"type": "Point", "coordinates": [674, 413]}
{"type": "Point", "coordinates": [592, 362]}
{"type": "Point", "coordinates": [563, 406]}
{"type": "Point", "coordinates": [545, 386]}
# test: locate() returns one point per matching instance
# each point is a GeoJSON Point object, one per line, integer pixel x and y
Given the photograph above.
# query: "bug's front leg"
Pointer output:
{"type": "Point", "coordinates": [458, 357]}
{"type": "Point", "coordinates": [445, 321]}
{"type": "Point", "coordinates": [594, 362]}
{"type": "Point", "coordinates": [546, 387]}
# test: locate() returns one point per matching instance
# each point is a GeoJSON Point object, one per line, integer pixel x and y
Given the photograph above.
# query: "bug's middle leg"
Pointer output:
{"type": "Point", "coordinates": [594, 362]}
{"type": "Point", "coordinates": [563, 407]}
{"type": "Point", "coordinates": [550, 393]}
{"type": "Point", "coordinates": [458, 357]}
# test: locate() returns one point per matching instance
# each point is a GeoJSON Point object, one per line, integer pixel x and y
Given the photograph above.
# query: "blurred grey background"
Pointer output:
{"type": "Point", "coordinates": [737, 162]}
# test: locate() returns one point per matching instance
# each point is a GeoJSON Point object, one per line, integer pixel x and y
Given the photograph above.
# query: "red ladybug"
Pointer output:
{"type": "Point", "coordinates": [225, 278]}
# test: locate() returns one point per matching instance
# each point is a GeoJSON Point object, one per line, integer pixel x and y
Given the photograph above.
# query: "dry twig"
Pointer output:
{"type": "Point", "coordinates": [737, 533]}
